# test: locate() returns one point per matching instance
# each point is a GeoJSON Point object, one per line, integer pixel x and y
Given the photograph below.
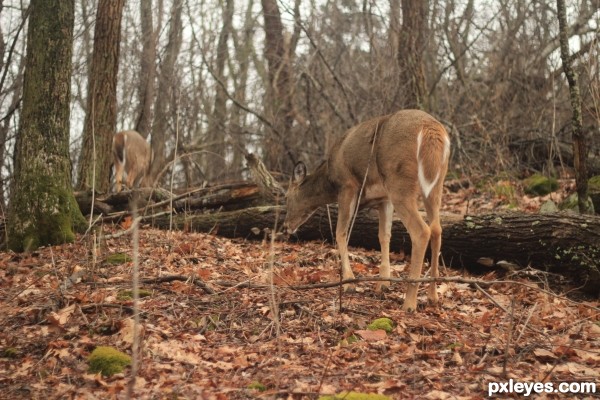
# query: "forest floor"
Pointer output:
{"type": "Point", "coordinates": [213, 326]}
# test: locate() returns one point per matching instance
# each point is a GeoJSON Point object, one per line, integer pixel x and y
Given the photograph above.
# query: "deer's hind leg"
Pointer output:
{"type": "Point", "coordinates": [432, 206]}
{"type": "Point", "coordinates": [419, 232]}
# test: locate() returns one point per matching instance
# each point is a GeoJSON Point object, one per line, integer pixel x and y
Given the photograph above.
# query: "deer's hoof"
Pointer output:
{"type": "Point", "coordinates": [382, 287]}
{"type": "Point", "coordinates": [433, 299]}
{"type": "Point", "coordinates": [349, 288]}
{"type": "Point", "coordinates": [409, 306]}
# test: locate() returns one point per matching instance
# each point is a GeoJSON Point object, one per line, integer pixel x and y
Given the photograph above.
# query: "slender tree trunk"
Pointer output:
{"type": "Point", "coordinates": [101, 113]}
{"type": "Point", "coordinates": [42, 207]}
{"type": "Point", "coordinates": [147, 70]}
{"type": "Point", "coordinates": [217, 122]}
{"type": "Point", "coordinates": [167, 94]}
{"type": "Point", "coordinates": [244, 50]}
{"type": "Point", "coordinates": [411, 46]}
{"type": "Point", "coordinates": [579, 140]}
{"type": "Point", "coordinates": [279, 90]}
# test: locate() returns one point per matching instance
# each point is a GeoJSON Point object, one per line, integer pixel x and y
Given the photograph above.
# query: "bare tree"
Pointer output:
{"type": "Point", "coordinates": [217, 130]}
{"type": "Point", "coordinates": [579, 141]}
{"type": "Point", "coordinates": [279, 92]}
{"type": "Point", "coordinates": [411, 46]}
{"type": "Point", "coordinates": [101, 113]}
{"type": "Point", "coordinates": [147, 70]}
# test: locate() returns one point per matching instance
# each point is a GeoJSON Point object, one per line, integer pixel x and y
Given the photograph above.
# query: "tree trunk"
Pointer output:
{"type": "Point", "coordinates": [411, 47]}
{"type": "Point", "coordinates": [101, 113]}
{"type": "Point", "coordinates": [163, 110]}
{"type": "Point", "coordinates": [243, 43]}
{"type": "Point", "coordinates": [579, 140]}
{"type": "Point", "coordinates": [42, 207]}
{"type": "Point", "coordinates": [566, 244]}
{"type": "Point", "coordinates": [279, 91]}
{"type": "Point", "coordinates": [147, 70]}
{"type": "Point", "coordinates": [216, 158]}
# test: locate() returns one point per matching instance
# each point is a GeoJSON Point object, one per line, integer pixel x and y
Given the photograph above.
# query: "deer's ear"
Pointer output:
{"type": "Point", "coordinates": [299, 172]}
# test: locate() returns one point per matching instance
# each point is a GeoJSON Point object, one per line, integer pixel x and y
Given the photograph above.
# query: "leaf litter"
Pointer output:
{"type": "Point", "coordinates": [208, 327]}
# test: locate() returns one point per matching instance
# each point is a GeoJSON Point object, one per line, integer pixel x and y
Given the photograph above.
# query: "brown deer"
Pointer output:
{"type": "Point", "coordinates": [387, 162]}
{"type": "Point", "coordinates": [132, 155]}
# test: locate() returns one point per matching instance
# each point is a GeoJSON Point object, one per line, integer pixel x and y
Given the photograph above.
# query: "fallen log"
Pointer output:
{"type": "Point", "coordinates": [567, 244]}
{"type": "Point", "coordinates": [229, 196]}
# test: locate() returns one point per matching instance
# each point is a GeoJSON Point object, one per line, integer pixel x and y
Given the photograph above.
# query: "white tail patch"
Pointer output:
{"type": "Point", "coordinates": [426, 186]}
{"type": "Point", "coordinates": [446, 148]}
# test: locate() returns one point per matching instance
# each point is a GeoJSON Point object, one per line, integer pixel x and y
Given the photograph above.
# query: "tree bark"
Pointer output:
{"type": "Point", "coordinates": [579, 141]}
{"type": "Point", "coordinates": [562, 243]}
{"type": "Point", "coordinates": [147, 70]}
{"type": "Point", "coordinates": [42, 207]}
{"type": "Point", "coordinates": [217, 132]}
{"type": "Point", "coordinates": [411, 47]}
{"type": "Point", "coordinates": [279, 92]}
{"type": "Point", "coordinates": [101, 113]}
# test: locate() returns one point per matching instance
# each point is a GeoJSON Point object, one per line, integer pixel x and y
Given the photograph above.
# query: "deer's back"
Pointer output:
{"type": "Point", "coordinates": [388, 144]}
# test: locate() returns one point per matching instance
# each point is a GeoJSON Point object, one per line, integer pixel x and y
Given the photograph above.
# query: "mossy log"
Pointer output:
{"type": "Point", "coordinates": [567, 244]}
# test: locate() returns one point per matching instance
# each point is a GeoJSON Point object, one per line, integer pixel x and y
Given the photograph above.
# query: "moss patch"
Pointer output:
{"type": "Point", "coordinates": [118, 258]}
{"type": "Point", "coordinates": [571, 203]}
{"type": "Point", "coordinates": [108, 361]}
{"type": "Point", "coordinates": [355, 396]}
{"type": "Point", "coordinates": [506, 191]}
{"type": "Point", "coordinates": [257, 386]}
{"type": "Point", "coordinates": [381, 323]}
{"type": "Point", "coordinates": [128, 294]}
{"type": "Point", "coordinates": [539, 185]}
{"type": "Point", "coordinates": [9, 352]}
{"type": "Point", "coordinates": [349, 340]}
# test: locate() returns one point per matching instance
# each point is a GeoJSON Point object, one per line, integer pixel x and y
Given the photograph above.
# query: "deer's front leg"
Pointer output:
{"type": "Point", "coordinates": [347, 204]}
{"type": "Point", "coordinates": [386, 213]}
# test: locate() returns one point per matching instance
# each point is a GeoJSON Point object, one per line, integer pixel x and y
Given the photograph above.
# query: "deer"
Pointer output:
{"type": "Point", "coordinates": [132, 155]}
{"type": "Point", "coordinates": [385, 162]}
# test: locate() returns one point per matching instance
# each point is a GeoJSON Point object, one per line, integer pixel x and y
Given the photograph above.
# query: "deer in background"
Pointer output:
{"type": "Point", "coordinates": [385, 162]}
{"type": "Point", "coordinates": [132, 155]}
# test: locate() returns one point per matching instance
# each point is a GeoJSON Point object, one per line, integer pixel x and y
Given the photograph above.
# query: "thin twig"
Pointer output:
{"type": "Point", "coordinates": [489, 296]}
{"type": "Point", "coordinates": [135, 356]}
{"type": "Point", "coordinates": [132, 228]}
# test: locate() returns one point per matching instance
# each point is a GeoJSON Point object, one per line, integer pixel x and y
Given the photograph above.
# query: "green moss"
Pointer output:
{"type": "Point", "coordinates": [571, 203]}
{"type": "Point", "coordinates": [539, 185]}
{"type": "Point", "coordinates": [118, 258]}
{"type": "Point", "coordinates": [382, 323]}
{"type": "Point", "coordinates": [349, 340]}
{"type": "Point", "coordinates": [355, 396]}
{"type": "Point", "coordinates": [594, 183]}
{"type": "Point", "coordinates": [594, 191]}
{"type": "Point", "coordinates": [506, 191]}
{"type": "Point", "coordinates": [108, 361]}
{"type": "Point", "coordinates": [9, 352]}
{"type": "Point", "coordinates": [257, 386]}
{"type": "Point", "coordinates": [128, 294]}
{"type": "Point", "coordinates": [44, 215]}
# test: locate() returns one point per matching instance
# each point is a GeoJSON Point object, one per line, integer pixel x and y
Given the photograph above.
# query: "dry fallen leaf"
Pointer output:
{"type": "Point", "coordinates": [127, 331]}
{"type": "Point", "coordinates": [372, 336]}
{"type": "Point", "coordinates": [61, 317]}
